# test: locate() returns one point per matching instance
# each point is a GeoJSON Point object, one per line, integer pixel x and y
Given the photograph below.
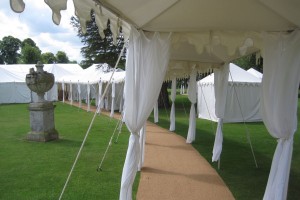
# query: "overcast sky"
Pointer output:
{"type": "Point", "coordinates": [36, 23]}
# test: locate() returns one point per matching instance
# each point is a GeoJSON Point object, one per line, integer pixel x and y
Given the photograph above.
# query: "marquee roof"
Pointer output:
{"type": "Point", "coordinates": [236, 75]}
{"type": "Point", "coordinates": [206, 33]}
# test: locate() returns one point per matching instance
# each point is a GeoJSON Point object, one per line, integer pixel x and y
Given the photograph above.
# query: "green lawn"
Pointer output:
{"type": "Point", "coordinates": [31, 170]}
{"type": "Point", "coordinates": [237, 165]}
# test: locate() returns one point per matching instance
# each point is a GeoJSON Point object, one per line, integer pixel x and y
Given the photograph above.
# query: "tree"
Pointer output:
{"type": "Point", "coordinates": [9, 47]}
{"type": "Point", "coordinates": [30, 53]}
{"type": "Point", "coordinates": [249, 61]}
{"type": "Point", "coordinates": [73, 61]}
{"type": "Point", "coordinates": [97, 49]}
{"type": "Point", "coordinates": [163, 98]}
{"type": "Point", "coordinates": [48, 58]}
{"type": "Point", "coordinates": [1, 60]}
{"type": "Point", "coordinates": [28, 41]}
{"type": "Point", "coordinates": [62, 57]}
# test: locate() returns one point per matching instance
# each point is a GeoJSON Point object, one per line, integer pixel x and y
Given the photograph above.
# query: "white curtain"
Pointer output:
{"type": "Point", "coordinates": [124, 101]}
{"type": "Point", "coordinates": [121, 99]}
{"type": "Point", "coordinates": [142, 146]}
{"type": "Point", "coordinates": [279, 104]}
{"type": "Point", "coordinates": [156, 112]}
{"type": "Point", "coordinates": [181, 92]}
{"type": "Point", "coordinates": [88, 97]}
{"type": "Point", "coordinates": [71, 94]}
{"type": "Point", "coordinates": [113, 93]}
{"type": "Point", "coordinates": [221, 84]}
{"type": "Point", "coordinates": [172, 114]}
{"type": "Point", "coordinates": [79, 94]}
{"type": "Point", "coordinates": [146, 66]}
{"type": "Point", "coordinates": [63, 89]}
{"type": "Point", "coordinates": [192, 95]}
{"type": "Point", "coordinates": [99, 96]}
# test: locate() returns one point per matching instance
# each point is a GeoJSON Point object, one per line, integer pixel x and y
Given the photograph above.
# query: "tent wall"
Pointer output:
{"type": "Point", "coordinates": [242, 103]}
{"type": "Point", "coordinates": [14, 92]}
{"type": "Point", "coordinates": [94, 93]}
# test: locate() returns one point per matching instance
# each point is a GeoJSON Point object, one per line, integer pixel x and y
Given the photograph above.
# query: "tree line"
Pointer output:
{"type": "Point", "coordinates": [15, 51]}
{"type": "Point", "coordinates": [97, 49]}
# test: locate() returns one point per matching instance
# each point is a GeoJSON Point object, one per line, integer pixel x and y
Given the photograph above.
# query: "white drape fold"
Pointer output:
{"type": "Point", "coordinates": [79, 94]}
{"type": "Point", "coordinates": [173, 96]}
{"type": "Point", "coordinates": [156, 112]}
{"type": "Point", "coordinates": [279, 104]}
{"type": "Point", "coordinates": [71, 94]}
{"type": "Point", "coordinates": [192, 95]}
{"type": "Point", "coordinates": [181, 89]}
{"type": "Point", "coordinates": [217, 150]}
{"type": "Point", "coordinates": [142, 146]}
{"type": "Point", "coordinates": [130, 166]}
{"type": "Point", "coordinates": [63, 90]}
{"type": "Point", "coordinates": [121, 100]}
{"type": "Point", "coordinates": [99, 104]}
{"type": "Point", "coordinates": [88, 97]}
{"type": "Point", "coordinates": [221, 84]}
{"type": "Point", "coordinates": [113, 93]}
{"type": "Point", "coordinates": [146, 66]}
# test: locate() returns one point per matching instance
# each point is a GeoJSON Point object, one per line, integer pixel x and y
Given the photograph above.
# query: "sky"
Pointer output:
{"type": "Point", "coordinates": [36, 23]}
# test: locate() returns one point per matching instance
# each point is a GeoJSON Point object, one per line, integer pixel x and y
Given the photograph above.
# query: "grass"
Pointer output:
{"type": "Point", "coordinates": [32, 170]}
{"type": "Point", "coordinates": [237, 164]}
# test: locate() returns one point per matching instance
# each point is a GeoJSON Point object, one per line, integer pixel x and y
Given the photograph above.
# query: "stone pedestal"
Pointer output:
{"type": "Point", "coordinates": [42, 122]}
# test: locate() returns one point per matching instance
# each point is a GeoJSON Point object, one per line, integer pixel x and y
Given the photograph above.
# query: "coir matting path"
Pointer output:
{"type": "Point", "coordinates": [174, 170]}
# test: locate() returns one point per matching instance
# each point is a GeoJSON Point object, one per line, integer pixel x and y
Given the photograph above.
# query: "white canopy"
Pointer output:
{"type": "Point", "coordinates": [13, 86]}
{"type": "Point", "coordinates": [243, 97]}
{"type": "Point", "coordinates": [207, 34]}
{"type": "Point", "coordinates": [94, 74]}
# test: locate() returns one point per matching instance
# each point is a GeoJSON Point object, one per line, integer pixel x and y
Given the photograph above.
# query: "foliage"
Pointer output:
{"type": "Point", "coordinates": [249, 61]}
{"type": "Point", "coordinates": [237, 170]}
{"type": "Point", "coordinates": [9, 47]}
{"type": "Point", "coordinates": [97, 49]}
{"type": "Point", "coordinates": [30, 54]}
{"type": "Point", "coordinates": [28, 41]}
{"type": "Point", "coordinates": [48, 58]}
{"type": "Point", "coordinates": [32, 170]}
{"type": "Point", "coordinates": [62, 57]}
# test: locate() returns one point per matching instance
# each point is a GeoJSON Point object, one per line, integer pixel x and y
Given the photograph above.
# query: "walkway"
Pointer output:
{"type": "Point", "coordinates": [174, 170]}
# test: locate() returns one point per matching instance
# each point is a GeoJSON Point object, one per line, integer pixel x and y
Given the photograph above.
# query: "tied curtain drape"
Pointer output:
{"type": "Point", "coordinates": [146, 66]}
{"type": "Point", "coordinates": [113, 93]}
{"type": "Point", "coordinates": [142, 146]}
{"type": "Point", "coordinates": [99, 104]}
{"type": "Point", "coordinates": [172, 114]}
{"type": "Point", "coordinates": [156, 112]}
{"type": "Point", "coordinates": [88, 87]}
{"type": "Point", "coordinates": [192, 95]}
{"type": "Point", "coordinates": [71, 94]}
{"type": "Point", "coordinates": [221, 84]}
{"type": "Point", "coordinates": [279, 104]}
{"type": "Point", "coordinates": [79, 94]}
{"type": "Point", "coordinates": [63, 90]}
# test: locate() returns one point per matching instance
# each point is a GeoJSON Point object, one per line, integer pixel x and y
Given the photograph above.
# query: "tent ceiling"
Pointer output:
{"type": "Point", "coordinates": [205, 33]}
{"type": "Point", "coordinates": [202, 15]}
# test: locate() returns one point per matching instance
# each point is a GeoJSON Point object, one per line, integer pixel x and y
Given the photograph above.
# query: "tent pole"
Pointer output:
{"type": "Point", "coordinates": [247, 131]}
{"type": "Point", "coordinates": [90, 126]}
